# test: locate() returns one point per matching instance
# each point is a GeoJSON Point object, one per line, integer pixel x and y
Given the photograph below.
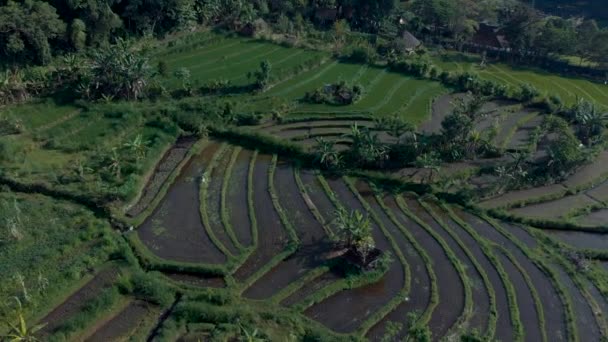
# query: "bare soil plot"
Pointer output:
{"type": "Point", "coordinates": [555, 209]}
{"type": "Point", "coordinates": [360, 303]}
{"type": "Point", "coordinates": [77, 301]}
{"type": "Point", "coordinates": [481, 299]}
{"type": "Point", "coordinates": [595, 218]}
{"type": "Point", "coordinates": [313, 241]}
{"type": "Point", "coordinates": [525, 302]}
{"type": "Point", "coordinates": [236, 198]}
{"type": "Point", "coordinates": [123, 324]}
{"type": "Point", "coordinates": [504, 328]}
{"type": "Point", "coordinates": [586, 325]}
{"type": "Point", "coordinates": [555, 325]}
{"type": "Point", "coordinates": [451, 288]}
{"type": "Point", "coordinates": [273, 237]}
{"type": "Point", "coordinates": [196, 280]}
{"type": "Point", "coordinates": [581, 240]}
{"type": "Point", "coordinates": [523, 195]}
{"type": "Point", "coordinates": [588, 173]}
{"type": "Point", "coordinates": [175, 231]}
{"type": "Point", "coordinates": [161, 173]}
{"type": "Point", "coordinates": [214, 201]}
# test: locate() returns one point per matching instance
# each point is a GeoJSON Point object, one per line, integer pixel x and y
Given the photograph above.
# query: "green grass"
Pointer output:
{"type": "Point", "coordinates": [567, 88]}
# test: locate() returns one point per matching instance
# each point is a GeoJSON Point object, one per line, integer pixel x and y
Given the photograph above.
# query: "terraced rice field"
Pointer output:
{"type": "Point", "coordinates": [266, 227]}
{"type": "Point", "coordinates": [582, 197]}
{"type": "Point", "coordinates": [385, 93]}
{"type": "Point", "coordinates": [569, 89]}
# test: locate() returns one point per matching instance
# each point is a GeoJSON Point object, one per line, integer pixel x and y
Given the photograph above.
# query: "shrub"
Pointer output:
{"type": "Point", "coordinates": [148, 286]}
{"type": "Point", "coordinates": [340, 93]}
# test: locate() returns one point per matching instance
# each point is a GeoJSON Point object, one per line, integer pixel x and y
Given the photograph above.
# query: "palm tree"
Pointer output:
{"type": "Point", "coordinates": [326, 154]}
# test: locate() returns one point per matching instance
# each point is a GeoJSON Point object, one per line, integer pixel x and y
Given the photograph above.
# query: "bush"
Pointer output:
{"type": "Point", "coordinates": [340, 94]}
{"type": "Point", "coordinates": [148, 287]}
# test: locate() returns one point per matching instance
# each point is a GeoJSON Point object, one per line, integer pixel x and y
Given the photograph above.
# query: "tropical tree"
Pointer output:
{"type": "Point", "coordinates": [367, 148]}
{"type": "Point", "coordinates": [261, 77]}
{"type": "Point", "coordinates": [353, 228]}
{"type": "Point", "coordinates": [326, 154]}
{"type": "Point", "coordinates": [119, 72]}
{"type": "Point", "coordinates": [183, 75]}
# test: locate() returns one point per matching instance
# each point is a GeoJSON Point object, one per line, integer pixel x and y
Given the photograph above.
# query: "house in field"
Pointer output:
{"type": "Point", "coordinates": [257, 27]}
{"type": "Point", "coordinates": [407, 42]}
{"type": "Point", "coordinates": [490, 36]}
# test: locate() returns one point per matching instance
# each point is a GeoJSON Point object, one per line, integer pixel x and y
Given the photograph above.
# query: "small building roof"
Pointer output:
{"type": "Point", "coordinates": [410, 41]}
{"type": "Point", "coordinates": [490, 36]}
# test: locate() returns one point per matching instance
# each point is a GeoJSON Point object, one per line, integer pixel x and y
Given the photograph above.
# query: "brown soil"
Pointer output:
{"type": "Point", "coordinates": [313, 241]}
{"type": "Point", "coordinates": [272, 235]}
{"type": "Point", "coordinates": [122, 324]}
{"type": "Point", "coordinates": [174, 231]}
{"type": "Point", "coordinates": [236, 199]}
{"type": "Point", "coordinates": [552, 306]}
{"type": "Point", "coordinates": [525, 302]}
{"type": "Point", "coordinates": [214, 200]}
{"type": "Point", "coordinates": [76, 302]}
{"type": "Point", "coordinates": [359, 303]}
{"type": "Point", "coordinates": [163, 170]}
{"type": "Point", "coordinates": [197, 280]}
{"type": "Point", "coordinates": [504, 330]}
